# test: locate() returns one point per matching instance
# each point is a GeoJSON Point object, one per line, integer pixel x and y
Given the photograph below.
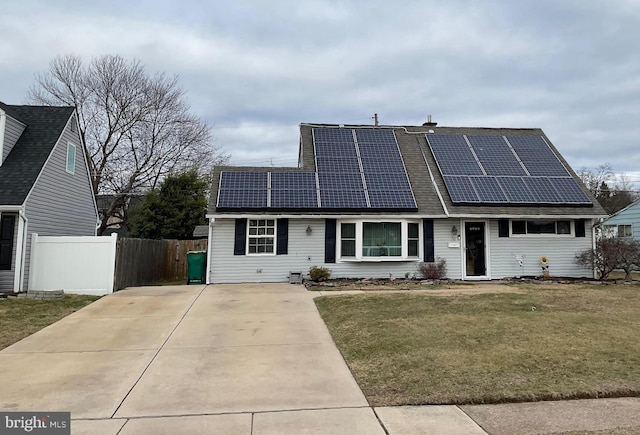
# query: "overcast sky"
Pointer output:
{"type": "Point", "coordinates": [257, 69]}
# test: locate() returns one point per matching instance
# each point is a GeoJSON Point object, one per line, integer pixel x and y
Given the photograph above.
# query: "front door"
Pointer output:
{"type": "Point", "coordinates": [475, 249]}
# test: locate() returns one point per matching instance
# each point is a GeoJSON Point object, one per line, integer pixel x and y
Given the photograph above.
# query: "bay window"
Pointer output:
{"type": "Point", "coordinates": [379, 241]}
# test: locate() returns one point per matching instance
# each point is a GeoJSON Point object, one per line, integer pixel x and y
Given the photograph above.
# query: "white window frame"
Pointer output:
{"type": "Point", "coordinates": [404, 233]}
{"type": "Point", "coordinates": [261, 236]}
{"type": "Point", "coordinates": [75, 154]}
{"type": "Point", "coordinates": [630, 236]}
{"type": "Point", "coordinates": [572, 229]}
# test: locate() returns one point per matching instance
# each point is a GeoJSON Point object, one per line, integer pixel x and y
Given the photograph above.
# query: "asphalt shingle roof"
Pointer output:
{"type": "Point", "coordinates": [20, 170]}
{"type": "Point", "coordinates": [426, 180]}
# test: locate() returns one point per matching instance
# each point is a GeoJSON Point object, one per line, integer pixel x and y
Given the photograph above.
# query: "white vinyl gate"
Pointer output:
{"type": "Point", "coordinates": [83, 265]}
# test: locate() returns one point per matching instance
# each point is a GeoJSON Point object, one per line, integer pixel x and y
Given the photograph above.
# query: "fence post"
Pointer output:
{"type": "Point", "coordinates": [112, 254]}
{"type": "Point", "coordinates": [33, 263]}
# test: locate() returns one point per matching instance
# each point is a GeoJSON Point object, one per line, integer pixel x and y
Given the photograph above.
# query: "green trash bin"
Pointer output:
{"type": "Point", "coordinates": [196, 267]}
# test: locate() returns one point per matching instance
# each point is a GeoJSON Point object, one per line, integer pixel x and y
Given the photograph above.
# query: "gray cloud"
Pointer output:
{"type": "Point", "coordinates": [255, 70]}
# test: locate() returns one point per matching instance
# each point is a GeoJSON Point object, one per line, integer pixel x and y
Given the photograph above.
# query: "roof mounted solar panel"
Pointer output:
{"type": "Point", "coordinates": [293, 180]}
{"type": "Point", "coordinates": [340, 181]}
{"type": "Point", "coordinates": [337, 165]}
{"type": "Point", "coordinates": [503, 168]}
{"type": "Point", "coordinates": [375, 136]}
{"type": "Point", "coordinates": [243, 180]}
{"type": "Point", "coordinates": [516, 190]}
{"type": "Point", "coordinates": [537, 156]}
{"type": "Point", "coordinates": [376, 166]}
{"type": "Point", "coordinates": [349, 199]}
{"type": "Point", "coordinates": [542, 190]}
{"type": "Point", "coordinates": [390, 182]}
{"type": "Point", "coordinates": [460, 189]}
{"type": "Point", "coordinates": [336, 150]}
{"type": "Point", "coordinates": [294, 198]}
{"type": "Point", "coordinates": [569, 191]}
{"type": "Point", "coordinates": [546, 169]}
{"type": "Point", "coordinates": [488, 189]}
{"type": "Point", "coordinates": [242, 198]}
{"type": "Point", "coordinates": [332, 135]}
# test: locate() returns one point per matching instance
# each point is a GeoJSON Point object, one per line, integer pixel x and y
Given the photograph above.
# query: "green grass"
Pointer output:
{"type": "Point", "coordinates": [20, 318]}
{"type": "Point", "coordinates": [409, 349]}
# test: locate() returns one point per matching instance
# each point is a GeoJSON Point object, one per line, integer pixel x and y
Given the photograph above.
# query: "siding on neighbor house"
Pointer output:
{"type": "Point", "coordinates": [12, 132]}
{"type": "Point", "coordinates": [60, 203]}
{"type": "Point", "coordinates": [7, 276]}
{"type": "Point", "coordinates": [308, 250]}
{"type": "Point", "coordinates": [630, 216]}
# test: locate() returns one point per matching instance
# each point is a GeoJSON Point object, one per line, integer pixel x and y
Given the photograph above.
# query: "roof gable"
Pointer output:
{"type": "Point", "coordinates": [22, 166]}
{"type": "Point", "coordinates": [632, 211]}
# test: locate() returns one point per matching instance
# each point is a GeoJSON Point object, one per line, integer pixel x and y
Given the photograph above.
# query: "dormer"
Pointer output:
{"type": "Point", "coordinates": [10, 131]}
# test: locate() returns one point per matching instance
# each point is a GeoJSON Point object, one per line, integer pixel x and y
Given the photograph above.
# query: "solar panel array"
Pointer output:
{"type": "Point", "coordinates": [356, 169]}
{"type": "Point", "coordinates": [361, 168]}
{"type": "Point", "coordinates": [338, 166]}
{"type": "Point", "coordinates": [243, 189]}
{"type": "Point", "coordinates": [488, 169]}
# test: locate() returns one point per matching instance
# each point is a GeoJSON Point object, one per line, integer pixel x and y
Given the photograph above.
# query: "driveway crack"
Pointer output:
{"type": "Point", "coordinates": [157, 352]}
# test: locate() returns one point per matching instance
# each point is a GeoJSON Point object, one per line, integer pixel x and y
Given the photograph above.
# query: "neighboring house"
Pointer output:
{"type": "Point", "coordinates": [117, 222]}
{"type": "Point", "coordinates": [201, 232]}
{"type": "Point", "coordinates": [376, 201]}
{"type": "Point", "coordinates": [44, 185]}
{"type": "Point", "coordinates": [623, 223]}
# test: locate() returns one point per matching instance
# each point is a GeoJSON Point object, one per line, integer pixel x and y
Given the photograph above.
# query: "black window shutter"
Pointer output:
{"type": "Point", "coordinates": [503, 228]}
{"type": "Point", "coordinates": [330, 241]}
{"type": "Point", "coordinates": [283, 237]}
{"type": "Point", "coordinates": [580, 230]}
{"type": "Point", "coordinates": [6, 241]}
{"type": "Point", "coordinates": [427, 231]}
{"type": "Point", "coordinates": [239, 247]}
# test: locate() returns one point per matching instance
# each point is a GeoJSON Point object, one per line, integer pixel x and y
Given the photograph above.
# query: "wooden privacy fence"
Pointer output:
{"type": "Point", "coordinates": [143, 261]}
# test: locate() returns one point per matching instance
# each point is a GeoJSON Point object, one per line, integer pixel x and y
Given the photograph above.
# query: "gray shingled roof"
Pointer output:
{"type": "Point", "coordinates": [421, 165]}
{"type": "Point", "coordinates": [20, 170]}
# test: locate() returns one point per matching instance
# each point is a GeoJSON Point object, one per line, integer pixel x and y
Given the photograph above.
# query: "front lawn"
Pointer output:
{"type": "Point", "coordinates": [20, 318]}
{"type": "Point", "coordinates": [545, 342]}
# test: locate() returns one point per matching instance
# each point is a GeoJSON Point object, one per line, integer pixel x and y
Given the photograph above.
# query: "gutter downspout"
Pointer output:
{"type": "Point", "coordinates": [3, 123]}
{"type": "Point", "coordinates": [593, 243]}
{"type": "Point", "coordinates": [209, 243]}
{"type": "Point", "coordinates": [21, 243]}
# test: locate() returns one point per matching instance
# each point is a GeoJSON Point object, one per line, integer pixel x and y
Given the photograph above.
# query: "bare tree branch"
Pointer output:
{"type": "Point", "coordinates": [137, 128]}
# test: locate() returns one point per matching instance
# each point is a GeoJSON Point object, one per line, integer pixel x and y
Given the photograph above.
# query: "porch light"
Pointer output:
{"type": "Point", "coordinates": [308, 230]}
{"type": "Point", "coordinates": [454, 232]}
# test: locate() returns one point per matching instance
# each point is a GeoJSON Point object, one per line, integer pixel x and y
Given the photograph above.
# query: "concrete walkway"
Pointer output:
{"type": "Point", "coordinates": [235, 359]}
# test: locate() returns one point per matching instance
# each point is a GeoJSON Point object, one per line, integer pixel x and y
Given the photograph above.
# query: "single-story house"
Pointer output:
{"type": "Point", "coordinates": [45, 186]}
{"type": "Point", "coordinates": [375, 201]}
{"type": "Point", "coordinates": [624, 223]}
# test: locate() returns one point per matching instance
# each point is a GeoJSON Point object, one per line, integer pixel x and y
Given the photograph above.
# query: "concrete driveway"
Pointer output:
{"type": "Point", "coordinates": [234, 359]}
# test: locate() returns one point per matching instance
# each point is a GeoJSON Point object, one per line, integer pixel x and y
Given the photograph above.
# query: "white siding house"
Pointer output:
{"type": "Point", "coordinates": [375, 202]}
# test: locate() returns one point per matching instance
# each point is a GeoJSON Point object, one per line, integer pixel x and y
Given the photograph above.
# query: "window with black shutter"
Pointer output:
{"type": "Point", "coordinates": [7, 228]}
